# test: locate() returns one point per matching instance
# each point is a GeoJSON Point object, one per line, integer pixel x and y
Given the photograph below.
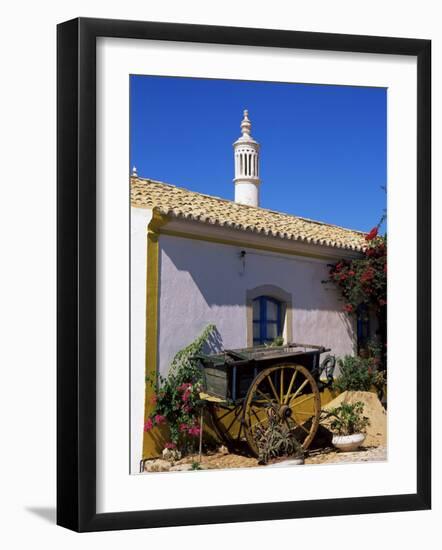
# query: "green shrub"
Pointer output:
{"type": "Point", "coordinates": [356, 374]}
{"type": "Point", "coordinates": [176, 399]}
{"type": "Point", "coordinates": [348, 419]}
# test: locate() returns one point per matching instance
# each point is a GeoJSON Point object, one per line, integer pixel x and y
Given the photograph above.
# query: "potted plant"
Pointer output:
{"type": "Point", "coordinates": [348, 426]}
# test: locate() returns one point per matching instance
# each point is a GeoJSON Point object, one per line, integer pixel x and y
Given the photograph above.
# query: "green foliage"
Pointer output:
{"type": "Point", "coordinates": [276, 440]}
{"type": "Point", "coordinates": [276, 342]}
{"type": "Point", "coordinates": [195, 466]}
{"type": "Point", "coordinates": [356, 374]}
{"type": "Point", "coordinates": [348, 419]}
{"type": "Point", "coordinates": [176, 399]}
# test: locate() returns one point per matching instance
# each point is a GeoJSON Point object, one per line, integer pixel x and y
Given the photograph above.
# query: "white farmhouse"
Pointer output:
{"type": "Point", "coordinates": [254, 273]}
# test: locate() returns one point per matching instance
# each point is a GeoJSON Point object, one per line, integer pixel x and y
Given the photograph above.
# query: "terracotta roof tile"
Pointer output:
{"type": "Point", "coordinates": [182, 203]}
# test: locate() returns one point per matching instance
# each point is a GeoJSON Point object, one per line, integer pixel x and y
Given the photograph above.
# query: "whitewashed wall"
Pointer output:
{"type": "Point", "coordinates": [203, 282]}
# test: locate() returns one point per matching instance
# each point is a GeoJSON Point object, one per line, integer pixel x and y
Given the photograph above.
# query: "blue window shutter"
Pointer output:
{"type": "Point", "coordinates": [265, 332]}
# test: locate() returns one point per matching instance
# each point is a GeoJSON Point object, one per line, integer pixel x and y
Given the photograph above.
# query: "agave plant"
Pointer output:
{"type": "Point", "coordinates": [276, 439]}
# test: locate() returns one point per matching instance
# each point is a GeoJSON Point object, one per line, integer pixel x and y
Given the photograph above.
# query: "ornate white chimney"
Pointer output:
{"type": "Point", "coordinates": [246, 151]}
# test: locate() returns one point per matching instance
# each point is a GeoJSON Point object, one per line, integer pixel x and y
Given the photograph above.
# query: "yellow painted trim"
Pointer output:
{"type": "Point", "coordinates": [231, 242]}
{"type": "Point", "coordinates": [154, 439]}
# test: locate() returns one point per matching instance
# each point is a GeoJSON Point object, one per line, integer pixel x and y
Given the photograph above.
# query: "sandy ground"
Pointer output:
{"type": "Point", "coordinates": [373, 454]}
{"type": "Point", "coordinates": [225, 460]}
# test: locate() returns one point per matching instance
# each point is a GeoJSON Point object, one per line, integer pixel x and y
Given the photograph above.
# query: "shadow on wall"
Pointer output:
{"type": "Point", "coordinates": [349, 325]}
{"type": "Point", "coordinates": [214, 343]}
{"type": "Point", "coordinates": [222, 276]}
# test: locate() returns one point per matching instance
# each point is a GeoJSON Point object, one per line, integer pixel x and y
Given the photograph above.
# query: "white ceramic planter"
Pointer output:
{"type": "Point", "coordinates": [348, 443]}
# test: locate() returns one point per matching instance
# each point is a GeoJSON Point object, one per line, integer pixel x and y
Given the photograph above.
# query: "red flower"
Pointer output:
{"type": "Point", "coordinates": [170, 445]}
{"type": "Point", "coordinates": [183, 427]}
{"type": "Point", "coordinates": [367, 275]}
{"type": "Point", "coordinates": [148, 425]}
{"type": "Point", "coordinates": [153, 400]}
{"type": "Point", "coordinates": [159, 418]}
{"type": "Point", "coordinates": [186, 395]}
{"type": "Point", "coordinates": [348, 308]}
{"type": "Point", "coordinates": [373, 234]}
{"type": "Point", "coordinates": [194, 431]}
{"type": "Point", "coordinates": [351, 273]}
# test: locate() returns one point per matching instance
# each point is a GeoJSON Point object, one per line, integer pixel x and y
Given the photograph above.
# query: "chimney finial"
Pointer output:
{"type": "Point", "coordinates": [246, 158]}
{"type": "Point", "coordinates": [246, 125]}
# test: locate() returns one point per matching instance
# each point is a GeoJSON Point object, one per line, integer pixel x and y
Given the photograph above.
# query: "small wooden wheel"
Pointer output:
{"type": "Point", "coordinates": [286, 392]}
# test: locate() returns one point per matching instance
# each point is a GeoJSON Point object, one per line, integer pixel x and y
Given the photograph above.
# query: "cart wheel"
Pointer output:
{"type": "Point", "coordinates": [288, 392]}
{"type": "Point", "coordinates": [227, 422]}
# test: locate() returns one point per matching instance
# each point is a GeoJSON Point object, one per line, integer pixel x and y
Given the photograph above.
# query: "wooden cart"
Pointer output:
{"type": "Point", "coordinates": [244, 387]}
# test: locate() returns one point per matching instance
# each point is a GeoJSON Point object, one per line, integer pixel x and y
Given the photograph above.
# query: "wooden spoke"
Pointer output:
{"type": "Point", "coordinates": [290, 387]}
{"type": "Point", "coordinates": [263, 395]}
{"type": "Point", "coordinates": [258, 420]}
{"type": "Point", "coordinates": [273, 389]}
{"type": "Point", "coordinates": [281, 386]}
{"type": "Point", "coordinates": [229, 411]}
{"type": "Point", "coordinates": [299, 390]}
{"type": "Point", "coordinates": [237, 412]}
{"type": "Point", "coordinates": [303, 428]}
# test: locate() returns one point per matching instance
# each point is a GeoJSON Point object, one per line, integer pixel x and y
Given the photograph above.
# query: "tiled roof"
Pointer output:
{"type": "Point", "coordinates": [182, 203]}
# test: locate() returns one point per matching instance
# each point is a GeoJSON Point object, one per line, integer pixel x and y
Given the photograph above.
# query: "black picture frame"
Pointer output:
{"type": "Point", "coordinates": [76, 274]}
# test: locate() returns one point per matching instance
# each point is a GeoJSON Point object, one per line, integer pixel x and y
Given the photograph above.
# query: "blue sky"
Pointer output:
{"type": "Point", "coordinates": [323, 148]}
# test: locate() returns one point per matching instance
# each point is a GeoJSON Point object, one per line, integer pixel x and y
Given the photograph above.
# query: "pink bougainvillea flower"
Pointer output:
{"type": "Point", "coordinates": [170, 445]}
{"type": "Point", "coordinates": [372, 235]}
{"type": "Point", "coordinates": [159, 418]}
{"type": "Point", "coordinates": [367, 275]}
{"type": "Point", "coordinates": [148, 425]}
{"type": "Point", "coordinates": [186, 395]}
{"type": "Point", "coordinates": [183, 427]}
{"type": "Point", "coordinates": [348, 308]}
{"type": "Point", "coordinates": [194, 431]}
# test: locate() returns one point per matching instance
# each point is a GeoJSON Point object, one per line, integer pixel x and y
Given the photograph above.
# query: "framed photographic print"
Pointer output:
{"type": "Point", "coordinates": [229, 200]}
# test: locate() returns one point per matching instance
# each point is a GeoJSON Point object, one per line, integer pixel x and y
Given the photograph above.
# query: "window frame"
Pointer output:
{"type": "Point", "coordinates": [264, 322]}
